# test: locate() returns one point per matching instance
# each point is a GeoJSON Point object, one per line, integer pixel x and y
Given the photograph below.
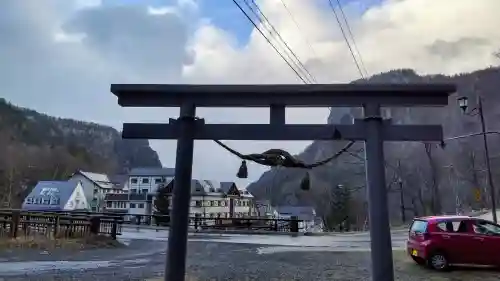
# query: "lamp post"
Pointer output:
{"type": "Point", "coordinates": [463, 103]}
{"type": "Point", "coordinates": [402, 200]}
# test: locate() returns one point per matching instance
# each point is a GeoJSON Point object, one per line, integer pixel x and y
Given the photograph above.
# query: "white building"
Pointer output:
{"type": "Point", "coordinates": [209, 199]}
{"type": "Point", "coordinates": [96, 186]}
{"type": "Point", "coordinates": [142, 184]}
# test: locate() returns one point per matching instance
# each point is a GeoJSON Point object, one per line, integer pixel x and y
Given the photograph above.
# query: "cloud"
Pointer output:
{"type": "Point", "coordinates": [59, 56]}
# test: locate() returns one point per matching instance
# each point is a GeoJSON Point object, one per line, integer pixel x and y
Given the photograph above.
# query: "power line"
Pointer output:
{"type": "Point", "coordinates": [352, 37]}
{"type": "Point", "coordinates": [269, 41]}
{"type": "Point", "coordinates": [345, 39]}
{"type": "Point", "coordinates": [298, 27]}
{"type": "Point", "coordinates": [264, 20]}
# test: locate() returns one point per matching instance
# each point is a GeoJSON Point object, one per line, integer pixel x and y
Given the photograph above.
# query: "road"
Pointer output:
{"type": "Point", "coordinates": [489, 216]}
{"type": "Point", "coordinates": [218, 256]}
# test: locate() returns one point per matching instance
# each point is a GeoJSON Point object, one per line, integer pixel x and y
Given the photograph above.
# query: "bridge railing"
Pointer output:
{"type": "Point", "coordinates": [238, 223]}
{"type": "Point", "coordinates": [18, 223]}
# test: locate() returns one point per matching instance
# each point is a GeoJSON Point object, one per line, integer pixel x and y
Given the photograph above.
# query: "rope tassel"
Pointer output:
{"type": "Point", "coordinates": [243, 170]}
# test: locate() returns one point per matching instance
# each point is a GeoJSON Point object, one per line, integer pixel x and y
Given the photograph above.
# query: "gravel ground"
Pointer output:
{"type": "Point", "coordinates": [143, 260]}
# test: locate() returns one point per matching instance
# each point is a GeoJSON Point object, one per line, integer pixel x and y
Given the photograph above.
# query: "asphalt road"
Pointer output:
{"type": "Point", "coordinates": [211, 257]}
{"type": "Point", "coordinates": [221, 257]}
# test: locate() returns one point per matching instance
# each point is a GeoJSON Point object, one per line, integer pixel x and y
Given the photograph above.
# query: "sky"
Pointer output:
{"type": "Point", "coordinates": [60, 56]}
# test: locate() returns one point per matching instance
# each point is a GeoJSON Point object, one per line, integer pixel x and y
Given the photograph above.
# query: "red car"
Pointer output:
{"type": "Point", "coordinates": [442, 241]}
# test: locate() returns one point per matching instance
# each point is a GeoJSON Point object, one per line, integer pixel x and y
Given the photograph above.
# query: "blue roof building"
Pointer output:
{"type": "Point", "coordinates": [56, 196]}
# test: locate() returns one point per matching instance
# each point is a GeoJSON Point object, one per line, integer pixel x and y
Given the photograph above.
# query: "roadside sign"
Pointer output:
{"type": "Point", "coordinates": [477, 194]}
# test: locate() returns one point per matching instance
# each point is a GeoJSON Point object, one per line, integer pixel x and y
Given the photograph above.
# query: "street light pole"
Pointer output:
{"type": "Point", "coordinates": [463, 105]}
{"type": "Point", "coordinates": [402, 201]}
{"type": "Point", "coordinates": [487, 156]}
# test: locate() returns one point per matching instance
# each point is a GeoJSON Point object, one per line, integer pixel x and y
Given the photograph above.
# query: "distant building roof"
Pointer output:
{"type": "Point", "coordinates": [101, 180]}
{"type": "Point", "coordinates": [226, 186]}
{"type": "Point", "coordinates": [105, 181]}
{"type": "Point", "coordinates": [56, 193]}
{"type": "Point", "coordinates": [303, 212]}
{"type": "Point", "coordinates": [162, 172]}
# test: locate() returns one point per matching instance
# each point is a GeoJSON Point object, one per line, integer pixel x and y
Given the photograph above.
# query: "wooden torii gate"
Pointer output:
{"type": "Point", "coordinates": [372, 129]}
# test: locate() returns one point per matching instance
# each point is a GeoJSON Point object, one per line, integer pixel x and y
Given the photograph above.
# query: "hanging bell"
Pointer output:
{"type": "Point", "coordinates": [305, 184]}
{"type": "Point", "coordinates": [243, 170]}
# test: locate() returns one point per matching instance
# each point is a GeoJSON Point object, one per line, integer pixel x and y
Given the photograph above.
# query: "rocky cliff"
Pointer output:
{"type": "Point", "coordinates": [418, 166]}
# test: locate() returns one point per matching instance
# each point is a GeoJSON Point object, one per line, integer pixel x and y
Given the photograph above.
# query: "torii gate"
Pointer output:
{"type": "Point", "coordinates": [371, 129]}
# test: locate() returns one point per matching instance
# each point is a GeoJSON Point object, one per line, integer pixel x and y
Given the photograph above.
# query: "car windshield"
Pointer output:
{"type": "Point", "coordinates": [419, 226]}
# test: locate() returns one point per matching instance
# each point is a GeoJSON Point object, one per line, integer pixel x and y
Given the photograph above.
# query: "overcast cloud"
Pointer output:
{"type": "Point", "coordinates": [60, 56]}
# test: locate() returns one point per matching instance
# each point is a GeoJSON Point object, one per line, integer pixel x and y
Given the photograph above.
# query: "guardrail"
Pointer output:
{"type": "Point", "coordinates": [241, 223]}
{"type": "Point", "coordinates": [18, 223]}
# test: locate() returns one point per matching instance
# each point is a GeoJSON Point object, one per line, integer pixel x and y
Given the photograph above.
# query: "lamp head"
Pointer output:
{"type": "Point", "coordinates": [463, 103]}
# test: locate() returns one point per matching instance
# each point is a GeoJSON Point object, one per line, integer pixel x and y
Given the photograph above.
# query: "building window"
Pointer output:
{"type": "Point", "coordinates": [198, 203]}
{"type": "Point", "coordinates": [158, 180]}
{"type": "Point", "coordinates": [141, 205]}
{"type": "Point", "coordinates": [145, 190]}
{"type": "Point", "coordinates": [133, 190]}
{"type": "Point", "coordinates": [133, 180]}
{"type": "Point", "coordinates": [96, 190]}
{"type": "Point", "coordinates": [132, 205]}
{"type": "Point", "coordinates": [145, 180]}
{"type": "Point", "coordinates": [109, 204]}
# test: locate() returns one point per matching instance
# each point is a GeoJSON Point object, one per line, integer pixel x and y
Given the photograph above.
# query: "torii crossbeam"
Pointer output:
{"type": "Point", "coordinates": [372, 129]}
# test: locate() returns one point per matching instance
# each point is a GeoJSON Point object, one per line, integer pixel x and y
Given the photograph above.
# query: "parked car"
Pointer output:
{"type": "Point", "coordinates": [442, 241]}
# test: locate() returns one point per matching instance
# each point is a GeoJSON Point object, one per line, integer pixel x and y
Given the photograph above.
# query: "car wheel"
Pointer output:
{"type": "Point", "coordinates": [438, 261]}
{"type": "Point", "coordinates": [419, 261]}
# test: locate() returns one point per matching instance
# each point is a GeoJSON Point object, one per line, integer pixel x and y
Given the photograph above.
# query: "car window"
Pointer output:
{"type": "Point", "coordinates": [419, 226]}
{"type": "Point", "coordinates": [486, 228]}
{"type": "Point", "coordinates": [452, 226]}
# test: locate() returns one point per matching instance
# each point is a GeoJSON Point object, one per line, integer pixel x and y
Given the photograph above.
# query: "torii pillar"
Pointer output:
{"type": "Point", "coordinates": [372, 129]}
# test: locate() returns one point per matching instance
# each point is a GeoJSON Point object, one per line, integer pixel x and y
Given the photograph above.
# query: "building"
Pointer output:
{"type": "Point", "coordinates": [306, 214]}
{"type": "Point", "coordinates": [209, 199]}
{"type": "Point", "coordinates": [96, 186]}
{"type": "Point", "coordinates": [141, 184]}
{"type": "Point", "coordinates": [56, 196]}
{"type": "Point", "coordinates": [212, 199]}
{"type": "Point", "coordinates": [264, 208]}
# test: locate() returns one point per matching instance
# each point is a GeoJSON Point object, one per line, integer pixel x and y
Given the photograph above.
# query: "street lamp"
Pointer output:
{"type": "Point", "coordinates": [463, 104]}
{"type": "Point", "coordinates": [401, 200]}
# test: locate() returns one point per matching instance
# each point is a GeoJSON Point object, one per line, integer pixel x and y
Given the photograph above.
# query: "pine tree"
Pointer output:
{"type": "Point", "coordinates": [338, 215]}
{"type": "Point", "coordinates": [162, 205]}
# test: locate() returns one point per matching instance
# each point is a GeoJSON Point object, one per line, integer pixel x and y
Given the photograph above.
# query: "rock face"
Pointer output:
{"type": "Point", "coordinates": [281, 185]}
{"type": "Point", "coordinates": [36, 147]}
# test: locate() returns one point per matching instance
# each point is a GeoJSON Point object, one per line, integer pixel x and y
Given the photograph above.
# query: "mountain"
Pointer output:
{"type": "Point", "coordinates": [36, 146]}
{"type": "Point", "coordinates": [427, 172]}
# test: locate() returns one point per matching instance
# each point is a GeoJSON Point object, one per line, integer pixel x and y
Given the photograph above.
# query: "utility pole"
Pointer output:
{"type": "Point", "coordinates": [463, 103]}
{"type": "Point", "coordinates": [487, 157]}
